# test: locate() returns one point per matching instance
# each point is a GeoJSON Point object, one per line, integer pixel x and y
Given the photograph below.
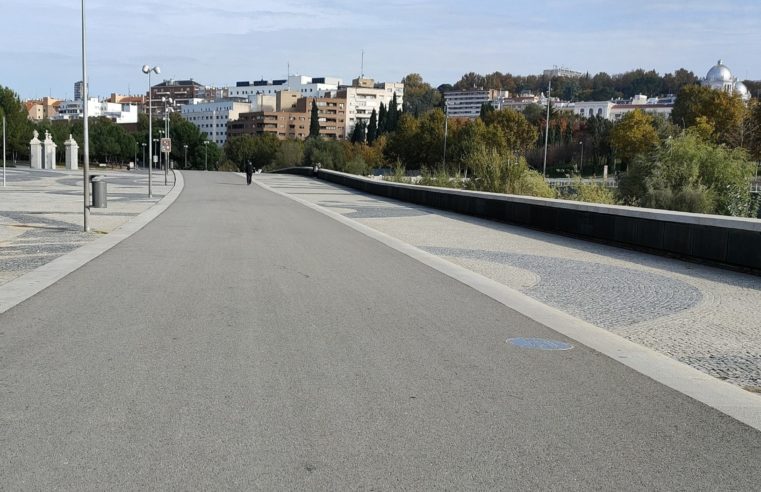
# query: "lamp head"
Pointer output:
{"type": "Point", "coordinates": [146, 69]}
{"type": "Point", "coordinates": [157, 70]}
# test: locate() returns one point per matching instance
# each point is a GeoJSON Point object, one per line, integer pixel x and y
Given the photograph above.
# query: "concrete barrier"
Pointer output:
{"type": "Point", "coordinates": [724, 241]}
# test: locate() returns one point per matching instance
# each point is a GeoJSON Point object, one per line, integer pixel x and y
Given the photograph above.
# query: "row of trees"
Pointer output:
{"type": "Point", "coordinates": [109, 142]}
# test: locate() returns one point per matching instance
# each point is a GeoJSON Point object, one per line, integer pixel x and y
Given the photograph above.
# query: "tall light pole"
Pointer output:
{"type": "Point", "coordinates": [581, 164]}
{"type": "Point", "coordinates": [186, 156]}
{"type": "Point", "coordinates": [85, 125]}
{"type": "Point", "coordinates": [206, 155]}
{"type": "Point", "coordinates": [446, 130]}
{"type": "Point", "coordinates": [547, 128]}
{"type": "Point", "coordinates": [3, 150]}
{"type": "Point", "coordinates": [143, 144]}
{"type": "Point", "coordinates": [147, 70]}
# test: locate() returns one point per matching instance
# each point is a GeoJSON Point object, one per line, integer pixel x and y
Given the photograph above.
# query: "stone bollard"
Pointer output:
{"type": "Point", "coordinates": [48, 152]}
{"type": "Point", "coordinates": [35, 153]}
{"type": "Point", "coordinates": [72, 154]}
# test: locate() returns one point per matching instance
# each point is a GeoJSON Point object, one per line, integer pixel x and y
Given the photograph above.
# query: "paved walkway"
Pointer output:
{"type": "Point", "coordinates": [41, 213]}
{"type": "Point", "coordinates": [705, 317]}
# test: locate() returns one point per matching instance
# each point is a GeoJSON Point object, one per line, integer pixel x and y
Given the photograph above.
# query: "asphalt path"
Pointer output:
{"type": "Point", "coordinates": [244, 341]}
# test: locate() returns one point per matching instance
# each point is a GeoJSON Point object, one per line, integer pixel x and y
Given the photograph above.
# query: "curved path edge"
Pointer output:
{"type": "Point", "coordinates": [22, 288]}
{"type": "Point", "coordinates": [722, 396]}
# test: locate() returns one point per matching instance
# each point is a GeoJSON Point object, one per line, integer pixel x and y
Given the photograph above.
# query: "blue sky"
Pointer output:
{"type": "Point", "coordinates": [223, 41]}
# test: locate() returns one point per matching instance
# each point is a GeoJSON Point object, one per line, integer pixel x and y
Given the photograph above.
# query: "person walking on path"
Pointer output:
{"type": "Point", "coordinates": [249, 172]}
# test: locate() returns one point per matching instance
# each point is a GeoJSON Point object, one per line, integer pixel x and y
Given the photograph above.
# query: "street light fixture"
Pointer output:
{"type": "Point", "coordinates": [581, 164]}
{"type": "Point", "coordinates": [147, 70]}
{"type": "Point", "coordinates": [206, 155]}
{"type": "Point", "coordinates": [446, 124]}
{"type": "Point", "coordinates": [186, 156]}
{"type": "Point", "coordinates": [143, 144]}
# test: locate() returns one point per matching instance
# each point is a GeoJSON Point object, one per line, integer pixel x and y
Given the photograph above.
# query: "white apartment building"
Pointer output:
{"type": "Point", "coordinates": [615, 110]}
{"type": "Point", "coordinates": [467, 103]}
{"type": "Point", "coordinates": [211, 117]}
{"type": "Point", "coordinates": [304, 85]}
{"type": "Point", "coordinates": [118, 113]}
{"type": "Point", "coordinates": [364, 96]}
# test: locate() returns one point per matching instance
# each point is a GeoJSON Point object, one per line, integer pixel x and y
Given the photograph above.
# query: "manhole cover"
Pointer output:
{"type": "Point", "coordinates": [539, 344]}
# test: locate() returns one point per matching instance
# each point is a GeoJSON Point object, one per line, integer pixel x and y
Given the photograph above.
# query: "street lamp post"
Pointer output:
{"type": "Point", "coordinates": [446, 130]}
{"type": "Point", "coordinates": [206, 155]}
{"type": "Point", "coordinates": [3, 150]}
{"type": "Point", "coordinates": [186, 156]}
{"type": "Point", "coordinates": [85, 126]}
{"type": "Point", "coordinates": [147, 70]}
{"type": "Point", "coordinates": [581, 163]}
{"type": "Point", "coordinates": [547, 128]}
{"type": "Point", "coordinates": [143, 144]}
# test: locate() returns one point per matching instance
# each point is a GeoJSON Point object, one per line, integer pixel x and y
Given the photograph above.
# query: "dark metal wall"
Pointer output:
{"type": "Point", "coordinates": [722, 243]}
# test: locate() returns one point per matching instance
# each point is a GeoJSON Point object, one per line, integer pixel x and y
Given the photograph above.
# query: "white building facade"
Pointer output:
{"type": "Point", "coordinates": [615, 110]}
{"type": "Point", "coordinates": [211, 118]}
{"type": "Point", "coordinates": [364, 96]}
{"type": "Point", "coordinates": [467, 103]}
{"type": "Point", "coordinates": [304, 85]}
{"type": "Point", "coordinates": [118, 113]}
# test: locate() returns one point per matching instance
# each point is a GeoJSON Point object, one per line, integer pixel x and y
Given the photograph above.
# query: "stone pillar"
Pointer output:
{"type": "Point", "coordinates": [72, 154]}
{"type": "Point", "coordinates": [48, 151]}
{"type": "Point", "coordinates": [35, 154]}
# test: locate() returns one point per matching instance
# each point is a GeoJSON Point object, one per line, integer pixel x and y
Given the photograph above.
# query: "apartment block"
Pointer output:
{"type": "Point", "coordinates": [294, 122]}
{"type": "Point", "coordinates": [212, 118]}
{"type": "Point", "coordinates": [364, 96]}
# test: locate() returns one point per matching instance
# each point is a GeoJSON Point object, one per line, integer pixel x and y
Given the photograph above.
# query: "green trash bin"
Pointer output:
{"type": "Point", "coordinates": [98, 191]}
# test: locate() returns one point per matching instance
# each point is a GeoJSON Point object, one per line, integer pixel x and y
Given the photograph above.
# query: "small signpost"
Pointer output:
{"type": "Point", "coordinates": [166, 148]}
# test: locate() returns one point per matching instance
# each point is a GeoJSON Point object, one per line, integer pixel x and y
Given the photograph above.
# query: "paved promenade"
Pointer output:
{"type": "Point", "coordinates": [243, 340]}
{"type": "Point", "coordinates": [41, 213]}
{"type": "Point", "coordinates": [705, 317]}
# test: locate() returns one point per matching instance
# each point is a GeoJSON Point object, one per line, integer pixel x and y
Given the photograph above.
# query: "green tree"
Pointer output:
{"type": "Point", "coordinates": [290, 153]}
{"type": "Point", "coordinates": [382, 119]}
{"type": "Point", "coordinates": [264, 150]}
{"type": "Point", "coordinates": [691, 174]}
{"type": "Point", "coordinates": [486, 110]}
{"type": "Point", "coordinates": [632, 135]}
{"type": "Point", "coordinates": [419, 96]}
{"type": "Point", "coordinates": [372, 128]}
{"type": "Point", "coordinates": [18, 128]}
{"type": "Point", "coordinates": [359, 133]}
{"type": "Point", "coordinates": [314, 121]}
{"type": "Point", "coordinates": [392, 118]}
{"type": "Point", "coordinates": [402, 144]}
{"type": "Point", "coordinates": [518, 133]}
{"type": "Point", "coordinates": [702, 105]}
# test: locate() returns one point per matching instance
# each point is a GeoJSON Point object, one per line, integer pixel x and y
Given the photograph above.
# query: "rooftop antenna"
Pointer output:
{"type": "Point", "coordinates": [362, 68]}
{"type": "Point", "coordinates": [288, 77]}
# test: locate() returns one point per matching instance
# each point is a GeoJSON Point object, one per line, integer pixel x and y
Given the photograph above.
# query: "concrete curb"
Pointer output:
{"type": "Point", "coordinates": [20, 289]}
{"type": "Point", "coordinates": [724, 397]}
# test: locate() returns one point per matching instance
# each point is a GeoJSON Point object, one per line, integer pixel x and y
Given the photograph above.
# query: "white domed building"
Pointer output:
{"type": "Point", "coordinates": [720, 78]}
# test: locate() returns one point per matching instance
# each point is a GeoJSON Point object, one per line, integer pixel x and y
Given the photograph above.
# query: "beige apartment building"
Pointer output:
{"type": "Point", "coordinates": [42, 109]}
{"type": "Point", "coordinates": [293, 121]}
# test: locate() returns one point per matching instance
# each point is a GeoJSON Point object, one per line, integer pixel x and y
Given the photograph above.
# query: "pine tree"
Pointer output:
{"type": "Point", "coordinates": [372, 129]}
{"type": "Point", "coordinates": [382, 119]}
{"type": "Point", "coordinates": [392, 119]}
{"type": "Point", "coordinates": [358, 135]}
{"type": "Point", "coordinates": [314, 123]}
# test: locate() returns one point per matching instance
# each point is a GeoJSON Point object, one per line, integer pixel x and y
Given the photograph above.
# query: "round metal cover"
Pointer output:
{"type": "Point", "coordinates": [539, 344]}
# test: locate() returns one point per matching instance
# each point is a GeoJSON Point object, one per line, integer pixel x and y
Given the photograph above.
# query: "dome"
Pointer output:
{"type": "Point", "coordinates": [742, 90]}
{"type": "Point", "coordinates": [719, 73]}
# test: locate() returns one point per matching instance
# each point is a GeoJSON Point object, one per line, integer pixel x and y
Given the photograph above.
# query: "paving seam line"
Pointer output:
{"type": "Point", "coordinates": [720, 395]}
{"type": "Point", "coordinates": [22, 288]}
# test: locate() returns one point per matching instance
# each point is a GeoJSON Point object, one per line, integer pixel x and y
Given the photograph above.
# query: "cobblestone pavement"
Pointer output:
{"type": "Point", "coordinates": [41, 213]}
{"type": "Point", "coordinates": [705, 317]}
